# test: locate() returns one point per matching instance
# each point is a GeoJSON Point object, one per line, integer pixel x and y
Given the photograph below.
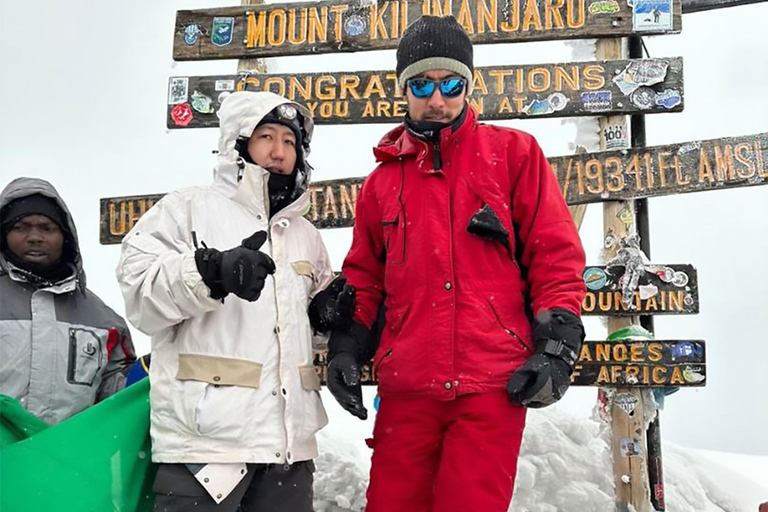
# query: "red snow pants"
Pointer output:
{"type": "Point", "coordinates": [445, 456]}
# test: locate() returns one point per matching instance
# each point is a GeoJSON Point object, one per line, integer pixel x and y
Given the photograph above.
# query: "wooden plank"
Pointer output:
{"type": "Point", "coordinates": [662, 290]}
{"type": "Point", "coordinates": [498, 92]}
{"type": "Point", "coordinates": [690, 6]}
{"type": "Point", "coordinates": [331, 26]}
{"type": "Point", "coordinates": [641, 364]}
{"type": "Point", "coordinates": [612, 363]}
{"type": "Point", "coordinates": [590, 178]}
{"type": "Point", "coordinates": [664, 170]}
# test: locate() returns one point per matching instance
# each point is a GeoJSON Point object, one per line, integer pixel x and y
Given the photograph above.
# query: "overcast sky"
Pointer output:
{"type": "Point", "coordinates": [83, 87]}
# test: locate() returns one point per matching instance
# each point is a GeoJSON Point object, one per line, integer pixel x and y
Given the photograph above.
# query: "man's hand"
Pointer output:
{"type": "Point", "coordinates": [545, 377]}
{"type": "Point", "coordinates": [333, 307]}
{"type": "Point", "coordinates": [242, 270]}
{"type": "Point", "coordinates": [344, 382]}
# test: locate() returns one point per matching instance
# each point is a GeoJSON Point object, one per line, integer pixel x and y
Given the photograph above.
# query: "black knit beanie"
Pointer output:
{"type": "Point", "coordinates": [433, 42]}
{"type": "Point", "coordinates": [34, 204]}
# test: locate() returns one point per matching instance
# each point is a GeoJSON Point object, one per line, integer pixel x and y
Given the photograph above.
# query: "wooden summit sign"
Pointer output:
{"type": "Point", "coordinates": [498, 92]}
{"type": "Point", "coordinates": [590, 178]}
{"type": "Point", "coordinates": [660, 290]}
{"type": "Point", "coordinates": [330, 26]}
{"type": "Point", "coordinates": [615, 363]}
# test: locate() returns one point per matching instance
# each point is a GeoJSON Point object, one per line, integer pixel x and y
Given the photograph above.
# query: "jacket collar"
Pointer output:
{"type": "Point", "coordinates": [399, 143]}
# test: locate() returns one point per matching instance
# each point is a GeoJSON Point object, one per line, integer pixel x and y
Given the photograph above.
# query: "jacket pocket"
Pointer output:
{"type": "Point", "coordinates": [309, 379]}
{"type": "Point", "coordinates": [222, 411]}
{"type": "Point", "coordinates": [394, 238]}
{"type": "Point", "coordinates": [86, 356]}
{"type": "Point", "coordinates": [507, 328]}
{"type": "Point", "coordinates": [222, 371]}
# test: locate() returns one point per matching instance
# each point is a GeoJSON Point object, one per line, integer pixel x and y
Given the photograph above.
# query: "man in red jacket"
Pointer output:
{"type": "Point", "coordinates": [462, 233]}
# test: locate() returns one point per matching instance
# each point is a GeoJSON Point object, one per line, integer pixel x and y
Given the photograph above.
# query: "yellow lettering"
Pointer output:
{"type": "Point", "coordinates": [562, 77]}
{"type": "Point", "coordinates": [545, 81]}
{"type": "Point", "coordinates": [705, 169]}
{"type": "Point", "coordinates": [296, 89]}
{"type": "Point", "coordinates": [746, 161]}
{"type": "Point", "coordinates": [603, 352]}
{"type": "Point", "coordinates": [478, 82]}
{"type": "Point", "coordinates": [636, 352]}
{"type": "Point", "coordinates": [576, 13]}
{"type": "Point", "coordinates": [659, 372]}
{"type": "Point", "coordinates": [615, 178]}
{"type": "Point", "coordinates": [499, 74]}
{"type": "Point", "coordinates": [531, 15]}
{"type": "Point", "coordinates": [585, 355]}
{"type": "Point", "coordinates": [603, 377]}
{"type": "Point", "coordinates": [327, 93]}
{"type": "Point", "coordinates": [594, 77]}
{"type": "Point", "coordinates": [293, 37]}
{"type": "Point", "coordinates": [338, 11]}
{"type": "Point", "coordinates": [654, 352]}
{"type": "Point", "coordinates": [275, 80]}
{"type": "Point", "coordinates": [276, 35]}
{"type": "Point", "coordinates": [677, 376]}
{"type": "Point", "coordinates": [552, 15]}
{"type": "Point", "coordinates": [465, 17]}
{"type": "Point", "coordinates": [349, 85]}
{"type": "Point", "coordinates": [374, 87]}
{"type": "Point", "coordinates": [619, 352]}
{"type": "Point", "coordinates": [378, 30]}
{"type": "Point", "coordinates": [513, 15]}
{"type": "Point", "coordinates": [257, 30]}
{"type": "Point", "coordinates": [348, 201]}
{"type": "Point", "coordinates": [724, 163]}
{"type": "Point", "coordinates": [330, 204]}
{"type": "Point", "coordinates": [486, 16]}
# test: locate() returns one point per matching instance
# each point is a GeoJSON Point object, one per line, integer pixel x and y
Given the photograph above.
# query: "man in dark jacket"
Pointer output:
{"type": "Point", "coordinates": [62, 348]}
{"type": "Point", "coordinates": [463, 234]}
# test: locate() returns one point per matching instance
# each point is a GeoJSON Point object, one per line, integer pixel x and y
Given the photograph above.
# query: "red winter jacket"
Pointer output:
{"type": "Point", "coordinates": [455, 302]}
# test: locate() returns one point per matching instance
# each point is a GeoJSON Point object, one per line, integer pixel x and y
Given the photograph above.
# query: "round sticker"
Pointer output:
{"type": "Point", "coordinates": [595, 278]}
{"type": "Point", "coordinates": [680, 279]}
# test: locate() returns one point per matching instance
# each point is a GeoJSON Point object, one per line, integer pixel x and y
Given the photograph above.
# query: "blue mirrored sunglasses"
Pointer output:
{"type": "Point", "coordinates": [449, 87]}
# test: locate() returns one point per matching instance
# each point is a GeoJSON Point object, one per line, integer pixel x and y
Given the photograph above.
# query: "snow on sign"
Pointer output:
{"type": "Point", "coordinates": [589, 178]}
{"type": "Point", "coordinates": [641, 363]}
{"type": "Point", "coordinates": [498, 92]}
{"type": "Point", "coordinates": [331, 26]}
{"type": "Point", "coordinates": [650, 289]}
{"type": "Point", "coordinates": [611, 363]}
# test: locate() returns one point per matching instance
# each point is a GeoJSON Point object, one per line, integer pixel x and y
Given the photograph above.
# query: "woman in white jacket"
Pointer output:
{"type": "Point", "coordinates": [234, 395]}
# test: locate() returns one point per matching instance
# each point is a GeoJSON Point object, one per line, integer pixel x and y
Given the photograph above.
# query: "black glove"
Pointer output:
{"type": "Point", "coordinates": [344, 383]}
{"type": "Point", "coordinates": [347, 352]}
{"type": "Point", "coordinates": [545, 377]}
{"type": "Point", "coordinates": [241, 270]}
{"type": "Point", "coordinates": [333, 307]}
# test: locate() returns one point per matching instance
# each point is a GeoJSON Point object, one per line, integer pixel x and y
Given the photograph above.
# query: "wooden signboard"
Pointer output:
{"type": "Point", "coordinates": [589, 178]}
{"type": "Point", "coordinates": [664, 170]}
{"type": "Point", "coordinates": [498, 92]}
{"type": "Point", "coordinates": [616, 363]}
{"type": "Point", "coordinates": [332, 206]}
{"type": "Point", "coordinates": [660, 290]}
{"type": "Point", "coordinates": [330, 26]}
{"type": "Point", "coordinates": [641, 363]}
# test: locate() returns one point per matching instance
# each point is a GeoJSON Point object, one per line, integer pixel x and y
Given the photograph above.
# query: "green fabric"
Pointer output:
{"type": "Point", "coordinates": [16, 423]}
{"type": "Point", "coordinates": [96, 461]}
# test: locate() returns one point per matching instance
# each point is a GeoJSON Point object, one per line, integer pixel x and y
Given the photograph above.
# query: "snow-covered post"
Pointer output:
{"type": "Point", "coordinates": [619, 221]}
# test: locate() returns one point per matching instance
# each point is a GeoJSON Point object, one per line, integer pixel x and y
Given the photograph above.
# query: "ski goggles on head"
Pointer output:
{"type": "Point", "coordinates": [449, 87]}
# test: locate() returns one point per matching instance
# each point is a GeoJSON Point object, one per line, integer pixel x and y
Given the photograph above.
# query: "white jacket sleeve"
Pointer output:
{"type": "Point", "coordinates": [323, 277]}
{"type": "Point", "coordinates": [157, 272]}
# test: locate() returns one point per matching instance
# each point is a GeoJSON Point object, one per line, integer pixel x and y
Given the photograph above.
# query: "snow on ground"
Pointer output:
{"type": "Point", "coordinates": [564, 467]}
